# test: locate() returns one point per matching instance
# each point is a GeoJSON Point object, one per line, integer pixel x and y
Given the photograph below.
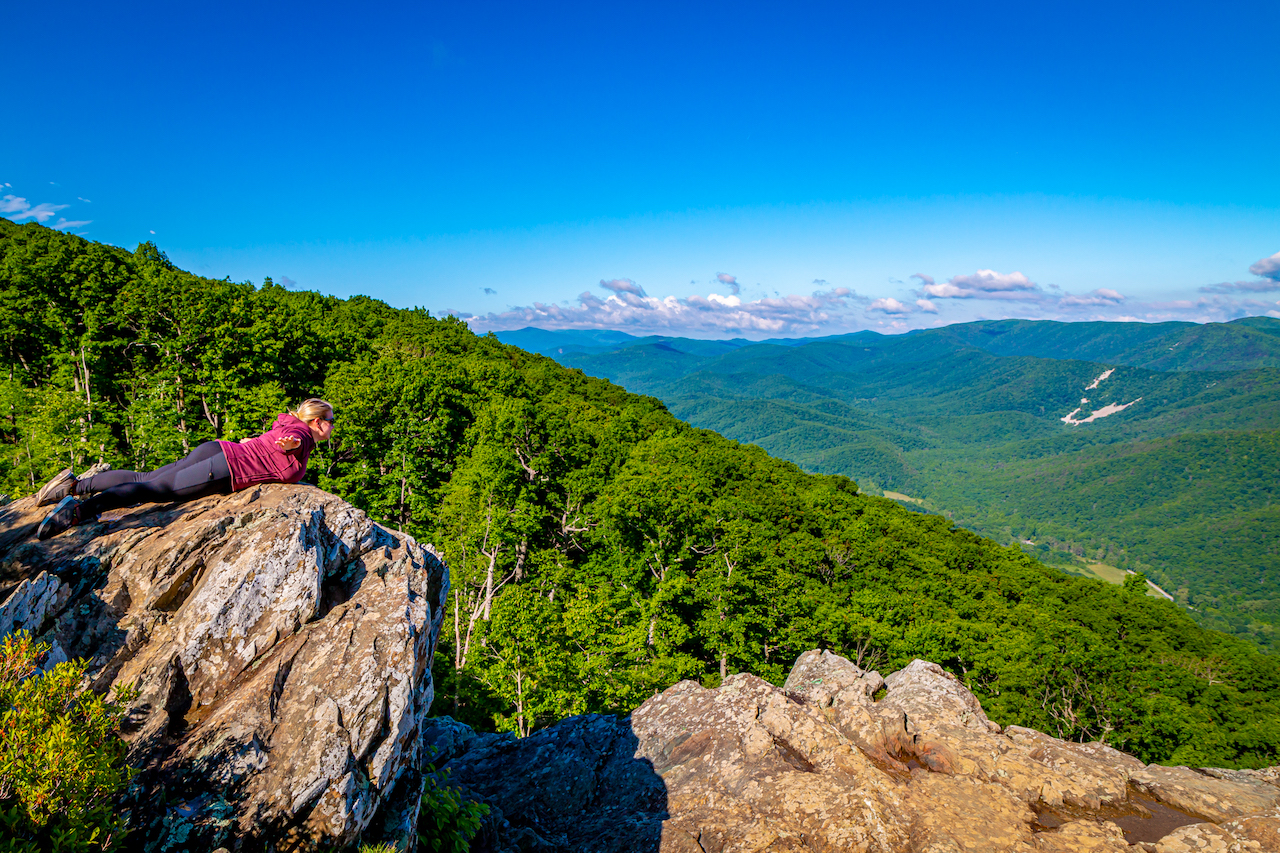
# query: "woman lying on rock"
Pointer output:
{"type": "Point", "coordinates": [213, 468]}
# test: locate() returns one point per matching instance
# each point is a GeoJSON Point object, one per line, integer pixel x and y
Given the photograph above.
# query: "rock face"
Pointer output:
{"type": "Point", "coordinates": [822, 765]}
{"type": "Point", "coordinates": [281, 643]}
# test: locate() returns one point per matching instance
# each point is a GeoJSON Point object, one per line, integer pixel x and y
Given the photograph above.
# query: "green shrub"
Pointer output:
{"type": "Point", "coordinates": [448, 820]}
{"type": "Point", "coordinates": [61, 757]}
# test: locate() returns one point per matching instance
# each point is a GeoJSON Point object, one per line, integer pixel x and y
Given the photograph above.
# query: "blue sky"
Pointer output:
{"type": "Point", "coordinates": [703, 169]}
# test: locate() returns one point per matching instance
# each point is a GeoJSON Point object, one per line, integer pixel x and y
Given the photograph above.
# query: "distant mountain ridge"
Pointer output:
{"type": "Point", "coordinates": [1242, 344]}
{"type": "Point", "coordinates": [597, 341]}
{"type": "Point", "coordinates": [1000, 424]}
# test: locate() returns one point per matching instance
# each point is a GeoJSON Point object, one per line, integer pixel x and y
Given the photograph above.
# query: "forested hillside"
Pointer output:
{"type": "Point", "coordinates": [599, 548]}
{"type": "Point", "coordinates": [991, 424]}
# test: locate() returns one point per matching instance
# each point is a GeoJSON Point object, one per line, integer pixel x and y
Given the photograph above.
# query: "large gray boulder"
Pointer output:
{"type": "Point", "coordinates": [281, 643]}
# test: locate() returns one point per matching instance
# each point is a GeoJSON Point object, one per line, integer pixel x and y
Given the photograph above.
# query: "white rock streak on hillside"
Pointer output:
{"type": "Point", "coordinates": [1109, 409]}
{"type": "Point", "coordinates": [1094, 383]}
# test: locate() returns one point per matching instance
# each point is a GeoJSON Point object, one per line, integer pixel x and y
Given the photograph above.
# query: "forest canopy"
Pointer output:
{"type": "Point", "coordinates": [599, 549]}
{"type": "Point", "coordinates": [973, 421]}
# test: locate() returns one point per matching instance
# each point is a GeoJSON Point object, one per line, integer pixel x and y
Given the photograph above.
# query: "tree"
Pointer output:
{"type": "Point", "coordinates": [61, 757]}
{"type": "Point", "coordinates": [1135, 583]}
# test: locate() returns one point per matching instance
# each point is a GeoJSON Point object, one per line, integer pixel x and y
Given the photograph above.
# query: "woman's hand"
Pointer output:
{"type": "Point", "coordinates": [246, 440]}
{"type": "Point", "coordinates": [288, 442]}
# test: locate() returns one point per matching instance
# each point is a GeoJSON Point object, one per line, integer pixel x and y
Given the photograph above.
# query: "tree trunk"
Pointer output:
{"type": "Point", "coordinates": [403, 482]}
{"type": "Point", "coordinates": [208, 416]}
{"type": "Point", "coordinates": [521, 550]}
{"type": "Point", "coordinates": [182, 420]}
{"type": "Point", "coordinates": [488, 584]}
{"type": "Point", "coordinates": [724, 655]}
{"type": "Point", "coordinates": [462, 649]}
{"type": "Point", "coordinates": [88, 399]}
{"type": "Point", "coordinates": [521, 726]}
{"type": "Point", "coordinates": [458, 653]}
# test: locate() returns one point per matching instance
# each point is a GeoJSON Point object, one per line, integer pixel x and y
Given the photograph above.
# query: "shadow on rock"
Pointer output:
{"type": "Point", "coordinates": [581, 784]}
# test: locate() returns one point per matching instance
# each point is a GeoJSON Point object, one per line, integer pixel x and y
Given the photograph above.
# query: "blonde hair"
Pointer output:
{"type": "Point", "coordinates": [313, 408]}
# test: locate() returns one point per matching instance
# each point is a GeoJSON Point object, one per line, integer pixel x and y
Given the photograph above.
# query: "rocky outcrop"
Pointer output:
{"type": "Point", "coordinates": [281, 644]}
{"type": "Point", "coordinates": [839, 759]}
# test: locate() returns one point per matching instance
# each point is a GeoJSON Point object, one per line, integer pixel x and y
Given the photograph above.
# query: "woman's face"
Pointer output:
{"type": "Point", "coordinates": [322, 427]}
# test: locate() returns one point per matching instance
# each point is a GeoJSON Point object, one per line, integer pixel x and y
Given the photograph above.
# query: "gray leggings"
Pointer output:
{"type": "Point", "coordinates": [202, 472]}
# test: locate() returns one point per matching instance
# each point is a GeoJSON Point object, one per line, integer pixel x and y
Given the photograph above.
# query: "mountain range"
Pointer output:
{"type": "Point", "coordinates": [1099, 446]}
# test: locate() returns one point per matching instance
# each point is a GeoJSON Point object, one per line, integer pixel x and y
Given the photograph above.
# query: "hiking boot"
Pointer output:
{"type": "Point", "coordinates": [65, 514]}
{"type": "Point", "coordinates": [62, 484]}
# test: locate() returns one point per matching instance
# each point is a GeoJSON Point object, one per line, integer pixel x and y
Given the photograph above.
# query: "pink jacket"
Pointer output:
{"type": "Point", "coordinates": [260, 460]}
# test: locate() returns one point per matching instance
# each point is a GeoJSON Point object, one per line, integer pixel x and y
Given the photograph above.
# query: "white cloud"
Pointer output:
{"type": "Point", "coordinates": [40, 212]}
{"type": "Point", "coordinates": [1260, 286]}
{"type": "Point", "coordinates": [983, 284]}
{"type": "Point", "coordinates": [889, 305]}
{"type": "Point", "coordinates": [983, 294]}
{"type": "Point", "coordinates": [66, 223]}
{"type": "Point", "coordinates": [1267, 267]}
{"type": "Point", "coordinates": [1099, 297]}
{"type": "Point", "coordinates": [730, 280]}
{"type": "Point", "coordinates": [622, 285]}
{"type": "Point", "coordinates": [18, 209]}
{"type": "Point", "coordinates": [714, 314]}
{"type": "Point", "coordinates": [1215, 308]}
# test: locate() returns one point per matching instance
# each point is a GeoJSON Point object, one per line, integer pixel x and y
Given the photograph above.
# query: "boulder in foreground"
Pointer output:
{"type": "Point", "coordinates": [820, 764]}
{"type": "Point", "coordinates": [281, 642]}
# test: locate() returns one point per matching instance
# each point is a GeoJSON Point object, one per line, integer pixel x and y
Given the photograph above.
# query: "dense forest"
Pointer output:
{"type": "Point", "coordinates": [600, 549]}
{"type": "Point", "coordinates": [1180, 482]}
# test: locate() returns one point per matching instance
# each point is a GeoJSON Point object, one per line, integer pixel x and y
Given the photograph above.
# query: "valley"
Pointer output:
{"type": "Point", "coordinates": [1152, 448]}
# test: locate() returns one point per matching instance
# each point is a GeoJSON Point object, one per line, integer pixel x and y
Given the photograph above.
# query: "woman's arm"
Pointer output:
{"type": "Point", "coordinates": [284, 442]}
{"type": "Point", "coordinates": [286, 439]}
